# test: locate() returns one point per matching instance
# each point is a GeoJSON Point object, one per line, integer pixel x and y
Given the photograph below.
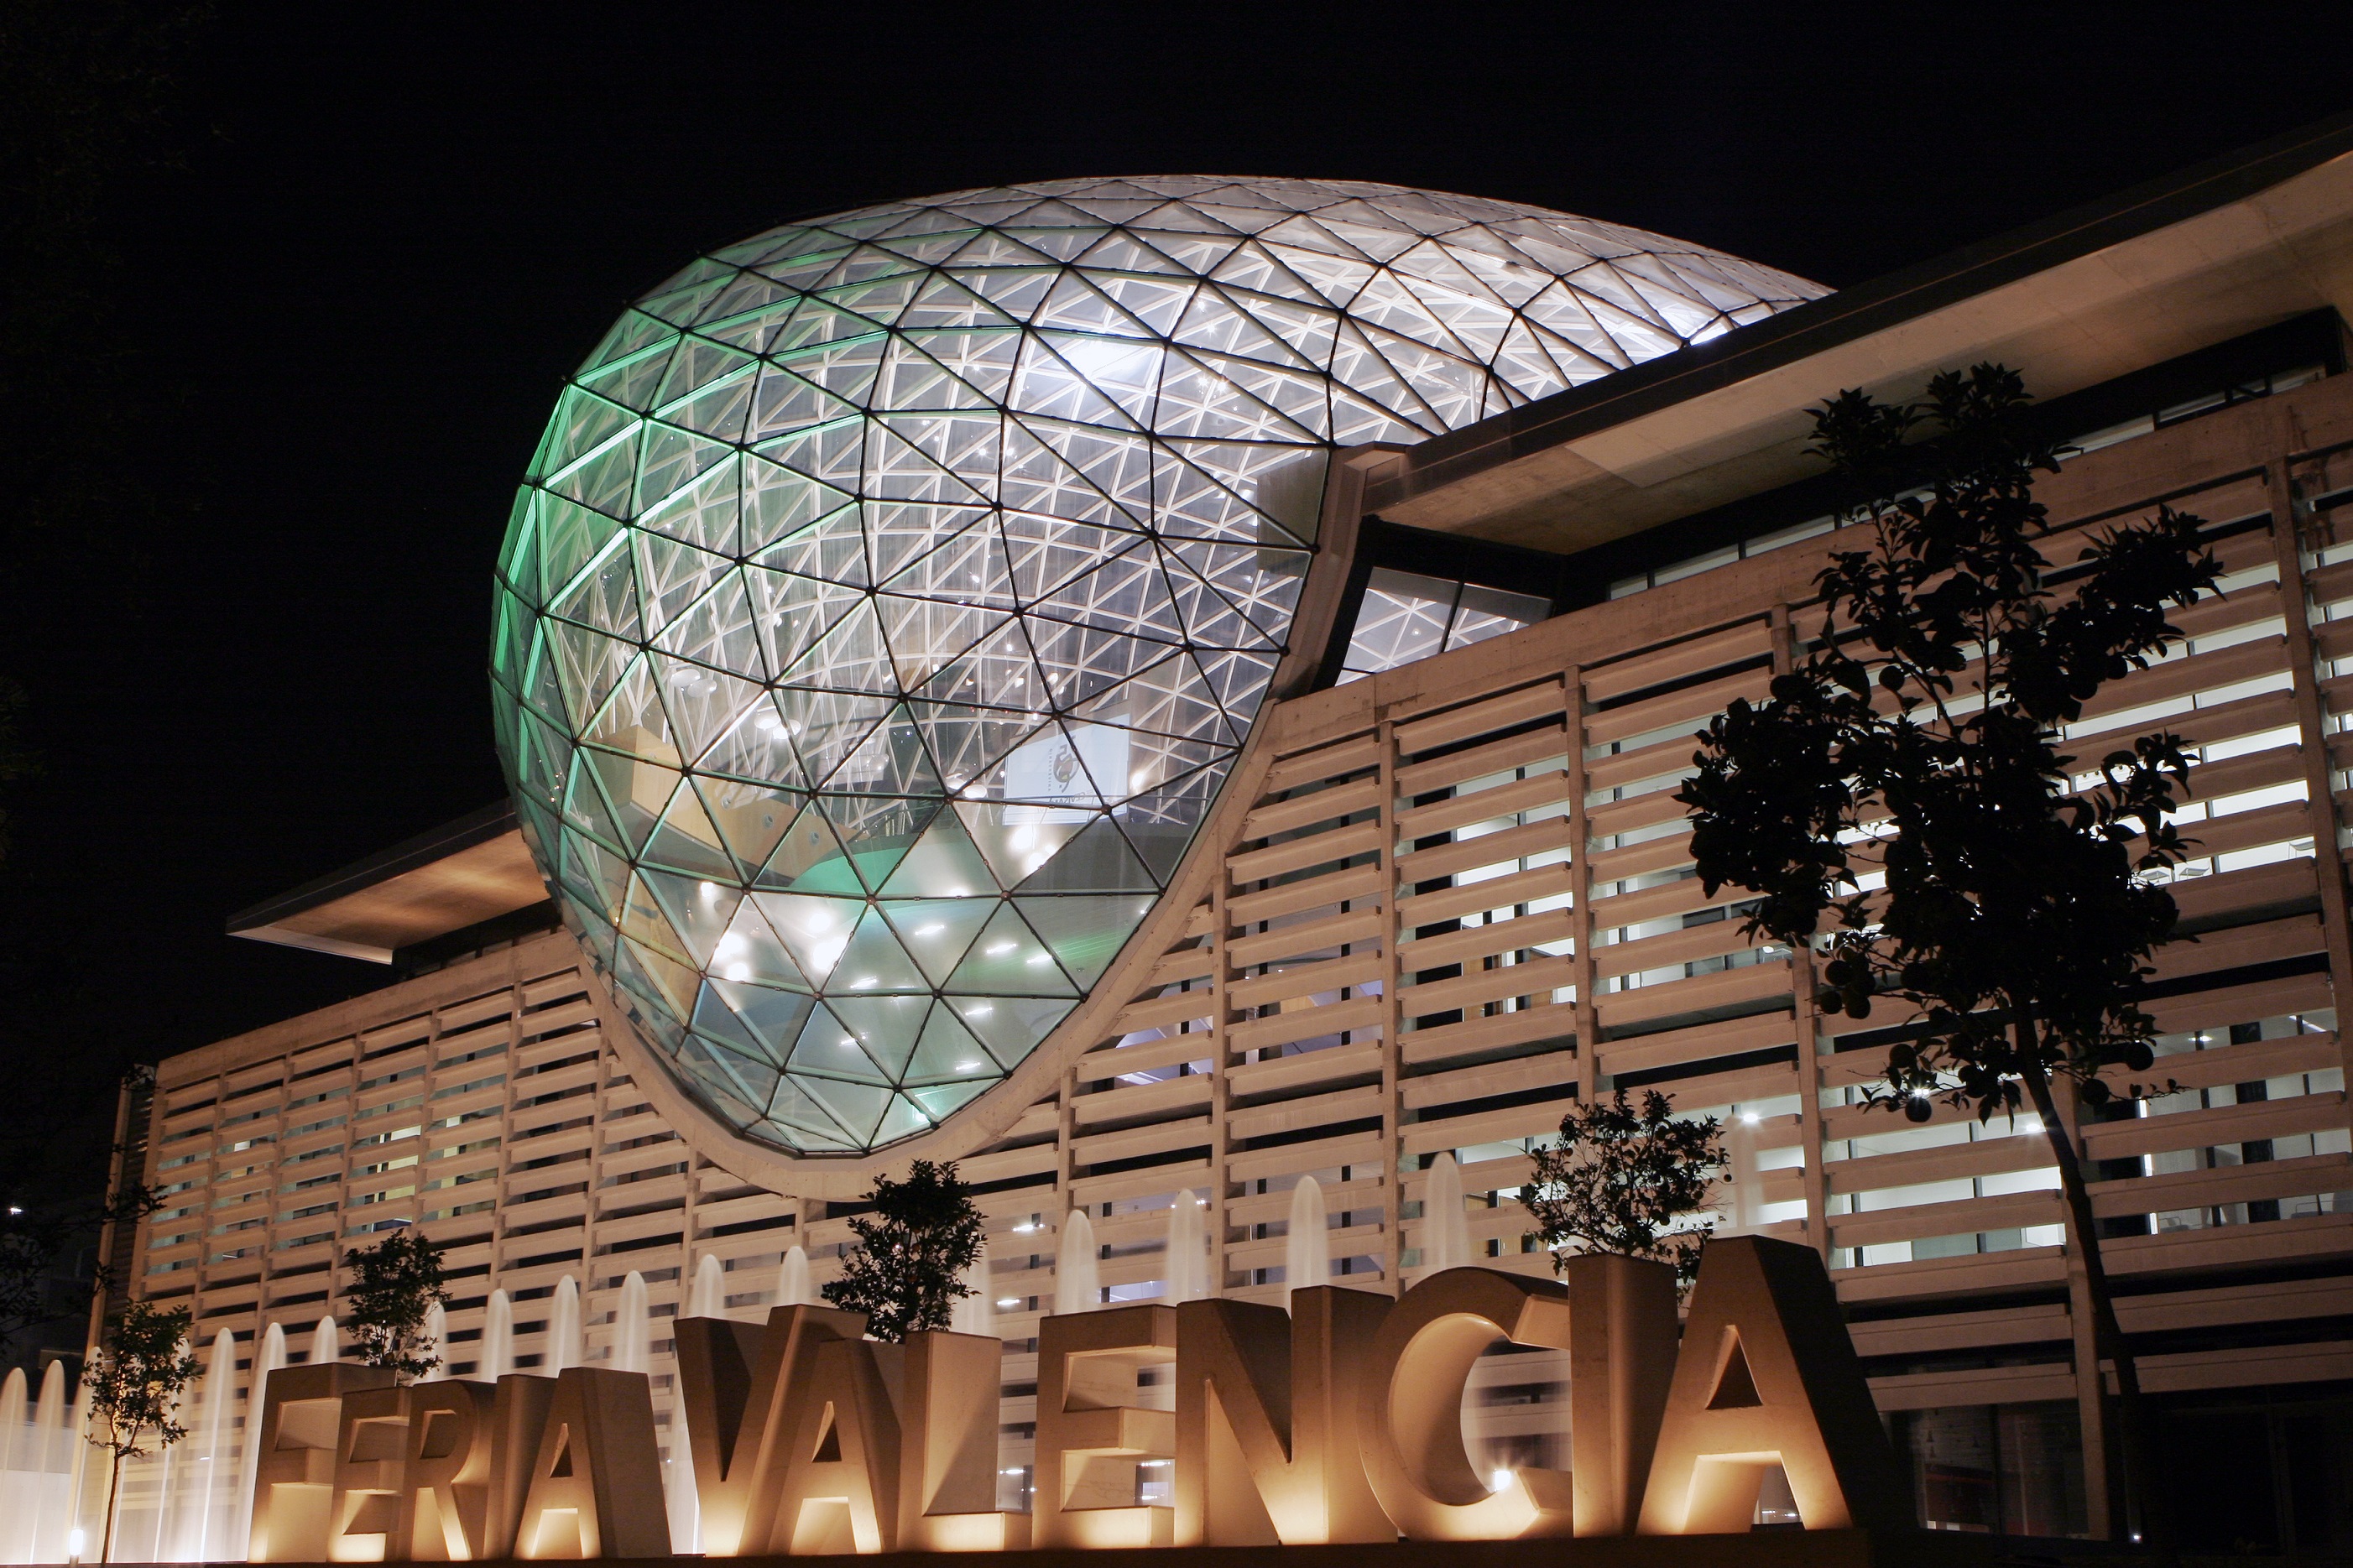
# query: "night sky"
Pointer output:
{"type": "Point", "coordinates": [354, 264]}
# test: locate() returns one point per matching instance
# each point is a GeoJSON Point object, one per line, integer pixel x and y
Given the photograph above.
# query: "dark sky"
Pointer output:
{"type": "Point", "coordinates": [385, 244]}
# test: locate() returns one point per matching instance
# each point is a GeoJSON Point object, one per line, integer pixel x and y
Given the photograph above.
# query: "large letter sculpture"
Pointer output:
{"type": "Point", "coordinates": [371, 1461]}
{"type": "Point", "coordinates": [1411, 1406]}
{"type": "Point", "coordinates": [446, 1509]}
{"type": "Point", "coordinates": [1266, 1447]}
{"type": "Point", "coordinates": [1768, 1376]}
{"type": "Point", "coordinates": [596, 1487]}
{"type": "Point", "coordinates": [735, 1379]}
{"type": "Point", "coordinates": [947, 1463]}
{"type": "Point", "coordinates": [1093, 1435]}
{"type": "Point", "coordinates": [809, 1438]}
{"type": "Point", "coordinates": [293, 1483]}
{"type": "Point", "coordinates": [1622, 1357]}
{"type": "Point", "coordinates": [838, 1489]}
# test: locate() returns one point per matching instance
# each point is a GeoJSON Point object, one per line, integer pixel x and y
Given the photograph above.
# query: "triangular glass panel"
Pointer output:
{"type": "Point", "coordinates": [716, 1022]}
{"type": "Point", "coordinates": [774, 1017]}
{"type": "Point", "coordinates": [749, 953]}
{"type": "Point", "coordinates": [1010, 1026]}
{"type": "Point", "coordinates": [779, 504]}
{"type": "Point", "coordinates": [878, 829]}
{"type": "Point", "coordinates": [904, 1119]}
{"type": "Point", "coordinates": [686, 841]}
{"type": "Point", "coordinates": [827, 1061]}
{"type": "Point", "coordinates": [942, 863]}
{"type": "Point", "coordinates": [751, 820]}
{"type": "Point", "coordinates": [875, 962]}
{"type": "Point", "coordinates": [1097, 859]}
{"type": "Point", "coordinates": [1009, 959]}
{"type": "Point", "coordinates": [704, 703]}
{"type": "Point", "coordinates": [825, 727]}
{"type": "Point", "coordinates": [700, 910]}
{"type": "Point", "coordinates": [791, 612]}
{"type": "Point", "coordinates": [717, 630]}
{"type": "Point", "coordinates": [705, 513]}
{"type": "Point", "coordinates": [815, 931]}
{"type": "Point", "coordinates": [603, 596]}
{"type": "Point", "coordinates": [947, 1053]}
{"type": "Point", "coordinates": [885, 1026]}
{"type": "Point", "coordinates": [938, 931]}
{"type": "Point", "coordinates": [939, 1102]}
{"type": "Point", "coordinates": [1017, 839]}
{"type": "Point", "coordinates": [809, 859]}
{"type": "Point", "coordinates": [635, 792]}
{"type": "Point", "coordinates": [1084, 932]}
{"type": "Point", "coordinates": [852, 656]}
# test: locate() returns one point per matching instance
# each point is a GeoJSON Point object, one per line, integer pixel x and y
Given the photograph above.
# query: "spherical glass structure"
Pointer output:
{"type": "Point", "coordinates": [890, 592]}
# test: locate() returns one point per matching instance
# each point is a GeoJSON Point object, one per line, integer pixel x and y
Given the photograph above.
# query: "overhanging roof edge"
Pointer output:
{"type": "Point", "coordinates": [1849, 314]}
{"type": "Point", "coordinates": [494, 821]}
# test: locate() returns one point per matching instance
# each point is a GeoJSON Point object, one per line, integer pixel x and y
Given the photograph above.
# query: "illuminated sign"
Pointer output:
{"type": "Point", "coordinates": [1339, 1421]}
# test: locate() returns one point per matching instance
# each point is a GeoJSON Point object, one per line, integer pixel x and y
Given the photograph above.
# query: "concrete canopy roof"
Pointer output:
{"type": "Point", "coordinates": [2190, 261]}
{"type": "Point", "coordinates": [460, 874]}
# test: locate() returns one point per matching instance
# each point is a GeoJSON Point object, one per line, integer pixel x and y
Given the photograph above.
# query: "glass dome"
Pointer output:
{"type": "Point", "coordinates": [890, 592]}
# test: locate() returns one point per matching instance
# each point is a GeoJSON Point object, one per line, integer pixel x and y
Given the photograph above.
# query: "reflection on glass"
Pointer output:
{"type": "Point", "coordinates": [1405, 616]}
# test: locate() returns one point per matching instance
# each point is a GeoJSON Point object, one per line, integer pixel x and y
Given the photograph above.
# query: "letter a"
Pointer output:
{"type": "Point", "coordinates": [1766, 1376]}
{"type": "Point", "coordinates": [596, 1487]}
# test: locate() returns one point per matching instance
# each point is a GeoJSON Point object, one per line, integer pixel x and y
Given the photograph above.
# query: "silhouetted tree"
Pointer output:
{"type": "Point", "coordinates": [1621, 1181]}
{"type": "Point", "coordinates": [1921, 742]}
{"type": "Point", "coordinates": [394, 1284]}
{"type": "Point", "coordinates": [906, 1273]}
{"type": "Point", "coordinates": [134, 1386]}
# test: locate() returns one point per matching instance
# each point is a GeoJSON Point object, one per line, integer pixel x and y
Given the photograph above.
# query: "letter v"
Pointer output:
{"type": "Point", "coordinates": [733, 1379]}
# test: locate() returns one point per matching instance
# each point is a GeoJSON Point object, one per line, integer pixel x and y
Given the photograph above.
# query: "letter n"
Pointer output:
{"type": "Point", "coordinates": [1266, 1421]}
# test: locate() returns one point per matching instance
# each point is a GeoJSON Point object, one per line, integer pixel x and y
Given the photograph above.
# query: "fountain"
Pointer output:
{"type": "Point", "coordinates": [793, 1281]}
{"type": "Point", "coordinates": [205, 1528]}
{"type": "Point", "coordinates": [976, 1313]}
{"type": "Point", "coordinates": [1307, 1249]}
{"type": "Point", "coordinates": [1078, 1279]}
{"type": "Point", "coordinates": [1186, 1268]}
{"type": "Point", "coordinates": [563, 1344]}
{"type": "Point", "coordinates": [171, 1469]}
{"type": "Point", "coordinates": [56, 1429]}
{"type": "Point", "coordinates": [498, 1338]}
{"type": "Point", "coordinates": [1740, 1173]}
{"type": "Point", "coordinates": [326, 1343]}
{"type": "Point", "coordinates": [632, 1351]}
{"type": "Point", "coordinates": [709, 1297]}
{"type": "Point", "coordinates": [1445, 1228]}
{"type": "Point", "coordinates": [436, 1342]}
{"type": "Point", "coordinates": [267, 1357]}
{"type": "Point", "coordinates": [17, 1468]}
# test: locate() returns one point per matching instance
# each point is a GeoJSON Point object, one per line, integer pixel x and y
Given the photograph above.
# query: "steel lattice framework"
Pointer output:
{"type": "Point", "coordinates": [890, 592]}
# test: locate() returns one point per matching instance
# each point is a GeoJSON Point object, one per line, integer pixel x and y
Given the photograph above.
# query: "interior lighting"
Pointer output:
{"type": "Point", "coordinates": [933, 929]}
{"type": "Point", "coordinates": [967, 1066]}
{"type": "Point", "coordinates": [1039, 960]}
{"type": "Point", "coordinates": [1010, 1301]}
{"type": "Point", "coordinates": [1498, 1481]}
{"type": "Point", "coordinates": [997, 948]}
{"type": "Point", "coordinates": [1245, 437]}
